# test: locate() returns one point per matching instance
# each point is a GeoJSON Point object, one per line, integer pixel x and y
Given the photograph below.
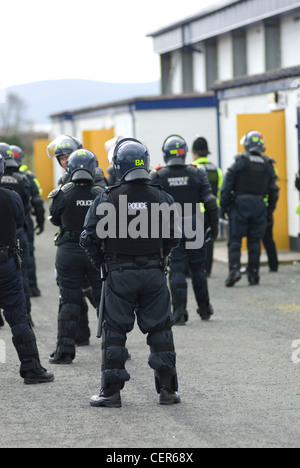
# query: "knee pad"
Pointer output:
{"type": "Point", "coordinates": [114, 356]}
{"type": "Point", "coordinates": [70, 296]}
{"type": "Point", "coordinates": [162, 352]}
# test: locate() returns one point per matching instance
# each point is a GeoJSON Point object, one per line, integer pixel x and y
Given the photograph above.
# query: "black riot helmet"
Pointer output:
{"type": "Point", "coordinates": [200, 146]}
{"type": "Point", "coordinates": [82, 164]}
{"type": "Point", "coordinates": [254, 142]}
{"type": "Point", "coordinates": [131, 160]}
{"type": "Point", "coordinates": [7, 155]}
{"type": "Point", "coordinates": [62, 145]}
{"type": "Point", "coordinates": [18, 153]}
{"type": "Point", "coordinates": [175, 150]}
{"type": "Point", "coordinates": [2, 165]}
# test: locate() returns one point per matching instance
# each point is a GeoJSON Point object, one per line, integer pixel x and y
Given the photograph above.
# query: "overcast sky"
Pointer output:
{"type": "Point", "coordinates": [103, 40]}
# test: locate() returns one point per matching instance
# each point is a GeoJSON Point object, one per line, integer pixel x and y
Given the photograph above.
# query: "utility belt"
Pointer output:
{"type": "Point", "coordinates": [7, 252]}
{"type": "Point", "coordinates": [248, 196]}
{"type": "Point", "coordinates": [128, 262]}
{"type": "Point", "coordinates": [66, 236]}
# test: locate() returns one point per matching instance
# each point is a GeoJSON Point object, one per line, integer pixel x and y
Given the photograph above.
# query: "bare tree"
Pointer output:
{"type": "Point", "coordinates": [12, 114]}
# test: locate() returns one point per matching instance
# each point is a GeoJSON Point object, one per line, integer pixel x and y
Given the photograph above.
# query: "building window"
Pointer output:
{"type": "Point", "coordinates": [272, 45]}
{"type": "Point", "coordinates": [211, 58]}
{"type": "Point", "coordinates": [239, 53]}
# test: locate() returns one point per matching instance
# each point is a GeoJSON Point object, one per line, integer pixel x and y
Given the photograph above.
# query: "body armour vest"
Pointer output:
{"type": "Point", "coordinates": [20, 184]}
{"type": "Point", "coordinates": [254, 179]}
{"type": "Point", "coordinates": [133, 205]}
{"type": "Point", "coordinates": [78, 199]}
{"type": "Point", "coordinates": [181, 183]}
{"type": "Point", "coordinates": [212, 175]}
{"type": "Point", "coordinates": [7, 219]}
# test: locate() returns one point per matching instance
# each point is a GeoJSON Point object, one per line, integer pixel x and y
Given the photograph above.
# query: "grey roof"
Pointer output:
{"type": "Point", "coordinates": [218, 20]}
{"type": "Point", "coordinates": [201, 14]}
{"type": "Point", "coordinates": [128, 102]}
{"type": "Point", "coordinates": [272, 75]}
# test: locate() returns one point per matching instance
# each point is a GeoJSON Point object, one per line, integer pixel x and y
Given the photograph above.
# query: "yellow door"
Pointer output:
{"type": "Point", "coordinates": [272, 126]}
{"type": "Point", "coordinates": [94, 140]}
{"type": "Point", "coordinates": [43, 167]}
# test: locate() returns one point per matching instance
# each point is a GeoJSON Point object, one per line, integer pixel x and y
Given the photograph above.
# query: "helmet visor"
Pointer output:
{"type": "Point", "coordinates": [61, 145]}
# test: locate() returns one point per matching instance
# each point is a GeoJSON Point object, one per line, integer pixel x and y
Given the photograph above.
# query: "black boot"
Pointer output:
{"type": "Point", "coordinates": [108, 398]}
{"type": "Point", "coordinates": [180, 316]}
{"type": "Point", "coordinates": [253, 279]}
{"type": "Point", "coordinates": [205, 312]}
{"type": "Point", "coordinates": [167, 385]}
{"type": "Point", "coordinates": [37, 376]}
{"type": "Point", "coordinates": [30, 369]}
{"type": "Point", "coordinates": [234, 277]}
{"type": "Point", "coordinates": [62, 355]}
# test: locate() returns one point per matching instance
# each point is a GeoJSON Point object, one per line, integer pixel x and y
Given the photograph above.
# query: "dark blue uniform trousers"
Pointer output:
{"type": "Point", "coordinates": [12, 301]}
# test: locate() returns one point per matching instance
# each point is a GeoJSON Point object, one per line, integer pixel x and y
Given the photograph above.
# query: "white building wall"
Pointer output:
{"type": "Point", "coordinates": [225, 58]}
{"type": "Point", "coordinates": [176, 73]}
{"type": "Point", "coordinates": [255, 44]}
{"type": "Point", "coordinates": [154, 126]}
{"type": "Point", "coordinates": [290, 40]}
{"type": "Point", "coordinates": [199, 70]}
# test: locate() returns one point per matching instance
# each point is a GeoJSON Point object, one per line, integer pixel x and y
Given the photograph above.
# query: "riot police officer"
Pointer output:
{"type": "Point", "coordinates": [136, 281]}
{"type": "Point", "coordinates": [215, 177]}
{"type": "Point", "coordinates": [70, 204]}
{"type": "Point", "coordinates": [18, 182]}
{"type": "Point", "coordinates": [12, 298]}
{"type": "Point", "coordinates": [61, 148]}
{"type": "Point", "coordinates": [37, 209]}
{"type": "Point", "coordinates": [247, 182]}
{"type": "Point", "coordinates": [188, 184]}
{"type": "Point", "coordinates": [109, 148]}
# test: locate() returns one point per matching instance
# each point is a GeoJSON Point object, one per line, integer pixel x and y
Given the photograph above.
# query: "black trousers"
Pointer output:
{"type": "Point", "coordinates": [195, 259]}
{"type": "Point", "coordinates": [248, 218]}
{"type": "Point", "coordinates": [72, 266]}
{"type": "Point", "coordinates": [12, 301]}
{"type": "Point", "coordinates": [138, 294]}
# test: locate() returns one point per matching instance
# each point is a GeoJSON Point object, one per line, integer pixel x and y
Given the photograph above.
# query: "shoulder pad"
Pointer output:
{"type": "Point", "coordinates": [97, 189]}
{"type": "Point", "coordinates": [161, 171]}
{"type": "Point", "coordinates": [271, 160]}
{"type": "Point", "coordinates": [194, 169]}
{"type": "Point", "coordinates": [240, 156]}
{"type": "Point", "coordinates": [68, 187]}
{"type": "Point", "coordinates": [54, 192]}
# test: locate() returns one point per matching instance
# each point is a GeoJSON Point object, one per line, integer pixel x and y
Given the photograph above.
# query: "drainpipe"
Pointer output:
{"type": "Point", "coordinates": [218, 130]}
{"type": "Point", "coordinates": [132, 113]}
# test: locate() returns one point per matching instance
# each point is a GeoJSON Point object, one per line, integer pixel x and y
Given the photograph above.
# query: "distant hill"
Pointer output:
{"type": "Point", "coordinates": [44, 98]}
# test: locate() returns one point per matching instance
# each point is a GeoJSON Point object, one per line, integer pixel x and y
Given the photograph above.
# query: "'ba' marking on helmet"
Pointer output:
{"type": "Point", "coordinates": [139, 162]}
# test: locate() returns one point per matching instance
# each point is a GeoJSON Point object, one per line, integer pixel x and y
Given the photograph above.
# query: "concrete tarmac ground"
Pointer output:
{"type": "Point", "coordinates": [238, 374]}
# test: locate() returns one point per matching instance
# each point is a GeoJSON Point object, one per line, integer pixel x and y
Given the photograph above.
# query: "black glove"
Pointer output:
{"type": "Point", "coordinates": [297, 182]}
{"type": "Point", "coordinates": [224, 214]}
{"type": "Point", "coordinates": [211, 234]}
{"type": "Point", "coordinates": [40, 219]}
{"type": "Point", "coordinates": [39, 228]}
